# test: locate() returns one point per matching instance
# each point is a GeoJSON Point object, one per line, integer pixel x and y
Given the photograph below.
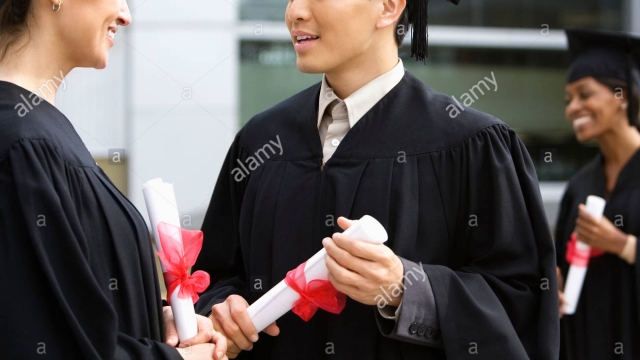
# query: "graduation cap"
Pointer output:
{"type": "Point", "coordinates": [418, 15]}
{"type": "Point", "coordinates": [606, 55]}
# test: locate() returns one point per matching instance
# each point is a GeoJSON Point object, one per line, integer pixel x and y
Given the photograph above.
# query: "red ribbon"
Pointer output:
{"type": "Point", "coordinates": [580, 257]}
{"type": "Point", "coordinates": [313, 295]}
{"type": "Point", "coordinates": [180, 249]}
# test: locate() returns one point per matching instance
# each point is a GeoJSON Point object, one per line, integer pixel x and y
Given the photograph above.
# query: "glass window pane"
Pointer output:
{"type": "Point", "coordinates": [529, 95]}
{"type": "Point", "coordinates": [596, 14]}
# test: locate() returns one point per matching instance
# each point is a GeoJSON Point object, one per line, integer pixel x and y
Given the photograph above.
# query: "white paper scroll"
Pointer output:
{"type": "Point", "coordinates": [575, 278]}
{"type": "Point", "coordinates": [280, 299]}
{"type": "Point", "coordinates": [162, 207]}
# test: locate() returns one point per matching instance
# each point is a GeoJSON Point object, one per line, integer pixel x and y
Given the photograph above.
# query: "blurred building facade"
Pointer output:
{"type": "Point", "coordinates": [184, 78]}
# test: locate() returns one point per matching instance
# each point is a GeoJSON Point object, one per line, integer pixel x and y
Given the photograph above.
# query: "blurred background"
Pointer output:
{"type": "Point", "coordinates": [185, 76]}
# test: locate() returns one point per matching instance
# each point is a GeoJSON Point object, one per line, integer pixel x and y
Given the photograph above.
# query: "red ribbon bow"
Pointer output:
{"type": "Point", "coordinates": [580, 257]}
{"type": "Point", "coordinates": [313, 295]}
{"type": "Point", "coordinates": [180, 249]}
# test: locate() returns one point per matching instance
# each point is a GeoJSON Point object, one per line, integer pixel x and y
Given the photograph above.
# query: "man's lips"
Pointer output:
{"type": "Point", "coordinates": [302, 36]}
{"type": "Point", "coordinates": [303, 40]}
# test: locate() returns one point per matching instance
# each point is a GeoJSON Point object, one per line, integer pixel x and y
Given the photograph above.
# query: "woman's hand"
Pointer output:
{"type": "Point", "coordinates": [205, 335]}
{"type": "Point", "coordinates": [600, 234]}
{"type": "Point", "coordinates": [201, 352]}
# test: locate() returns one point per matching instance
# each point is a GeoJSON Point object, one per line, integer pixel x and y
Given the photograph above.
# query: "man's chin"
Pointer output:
{"type": "Point", "coordinates": [306, 67]}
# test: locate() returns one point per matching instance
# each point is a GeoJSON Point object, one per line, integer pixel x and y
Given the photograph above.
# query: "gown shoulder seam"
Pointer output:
{"type": "Point", "coordinates": [470, 137]}
{"type": "Point", "coordinates": [11, 147]}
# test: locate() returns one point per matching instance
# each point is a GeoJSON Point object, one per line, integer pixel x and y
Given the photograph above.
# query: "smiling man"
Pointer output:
{"type": "Point", "coordinates": [469, 268]}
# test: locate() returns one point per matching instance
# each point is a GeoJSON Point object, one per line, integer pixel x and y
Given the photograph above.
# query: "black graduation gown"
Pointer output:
{"type": "Point", "coordinates": [606, 324]}
{"type": "Point", "coordinates": [77, 268]}
{"type": "Point", "coordinates": [459, 195]}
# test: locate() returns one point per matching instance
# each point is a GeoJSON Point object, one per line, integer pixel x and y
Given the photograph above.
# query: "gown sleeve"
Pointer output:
{"type": "Point", "coordinates": [51, 302]}
{"type": "Point", "coordinates": [221, 254]}
{"type": "Point", "coordinates": [496, 298]}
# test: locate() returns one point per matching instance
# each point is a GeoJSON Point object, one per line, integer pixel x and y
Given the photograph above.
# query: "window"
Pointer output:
{"type": "Point", "coordinates": [596, 14]}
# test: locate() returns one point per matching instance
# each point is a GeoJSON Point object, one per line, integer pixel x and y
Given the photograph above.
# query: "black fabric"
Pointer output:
{"type": "Point", "coordinates": [424, 176]}
{"type": "Point", "coordinates": [77, 268]}
{"type": "Point", "coordinates": [608, 312]}
{"type": "Point", "coordinates": [601, 54]}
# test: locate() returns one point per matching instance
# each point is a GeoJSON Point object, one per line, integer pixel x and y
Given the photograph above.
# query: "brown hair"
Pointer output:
{"type": "Point", "coordinates": [615, 85]}
{"type": "Point", "coordinates": [13, 22]}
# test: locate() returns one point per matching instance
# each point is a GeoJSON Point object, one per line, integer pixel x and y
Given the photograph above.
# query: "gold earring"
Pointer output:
{"type": "Point", "coordinates": [56, 9]}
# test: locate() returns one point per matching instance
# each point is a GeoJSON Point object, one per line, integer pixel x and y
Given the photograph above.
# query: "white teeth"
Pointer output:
{"type": "Point", "coordinates": [579, 122]}
{"type": "Point", "coordinates": [111, 34]}
{"type": "Point", "coordinates": [300, 38]}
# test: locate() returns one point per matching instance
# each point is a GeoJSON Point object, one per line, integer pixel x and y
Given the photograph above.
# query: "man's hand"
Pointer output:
{"type": "Point", "coordinates": [232, 320]}
{"type": "Point", "coordinates": [600, 234]}
{"type": "Point", "coordinates": [205, 335]}
{"type": "Point", "coordinates": [360, 269]}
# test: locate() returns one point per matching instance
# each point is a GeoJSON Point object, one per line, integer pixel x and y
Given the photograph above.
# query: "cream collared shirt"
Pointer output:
{"type": "Point", "coordinates": [336, 116]}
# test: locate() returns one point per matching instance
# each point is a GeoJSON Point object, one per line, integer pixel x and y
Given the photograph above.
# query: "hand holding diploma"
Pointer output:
{"type": "Point", "coordinates": [361, 270]}
{"type": "Point", "coordinates": [593, 236]}
{"type": "Point", "coordinates": [599, 233]}
{"type": "Point", "coordinates": [304, 290]}
{"type": "Point", "coordinates": [178, 250]}
{"type": "Point", "coordinates": [233, 321]}
{"type": "Point", "coordinates": [207, 344]}
{"type": "Point", "coordinates": [578, 255]}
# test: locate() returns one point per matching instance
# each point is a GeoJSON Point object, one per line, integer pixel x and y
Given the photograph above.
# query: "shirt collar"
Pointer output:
{"type": "Point", "coordinates": [365, 98]}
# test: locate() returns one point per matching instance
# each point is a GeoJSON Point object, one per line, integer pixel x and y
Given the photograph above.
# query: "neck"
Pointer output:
{"type": "Point", "coordinates": [353, 75]}
{"type": "Point", "coordinates": [618, 146]}
{"type": "Point", "coordinates": [36, 65]}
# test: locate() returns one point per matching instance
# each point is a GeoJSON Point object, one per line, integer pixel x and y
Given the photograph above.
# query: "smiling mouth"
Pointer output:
{"type": "Point", "coordinates": [581, 121]}
{"type": "Point", "coordinates": [306, 39]}
{"type": "Point", "coordinates": [112, 33]}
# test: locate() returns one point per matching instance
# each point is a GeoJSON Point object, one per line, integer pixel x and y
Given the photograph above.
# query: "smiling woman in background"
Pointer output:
{"type": "Point", "coordinates": [602, 105]}
{"type": "Point", "coordinates": [77, 268]}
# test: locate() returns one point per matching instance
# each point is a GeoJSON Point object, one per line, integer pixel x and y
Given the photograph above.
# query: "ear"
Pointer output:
{"type": "Point", "coordinates": [391, 11]}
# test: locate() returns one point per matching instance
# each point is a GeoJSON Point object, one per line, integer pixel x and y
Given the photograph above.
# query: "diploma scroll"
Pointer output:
{"type": "Point", "coordinates": [281, 299]}
{"type": "Point", "coordinates": [162, 207]}
{"type": "Point", "coordinates": [578, 270]}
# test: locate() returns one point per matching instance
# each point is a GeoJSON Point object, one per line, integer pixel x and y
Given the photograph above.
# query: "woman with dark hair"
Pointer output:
{"type": "Point", "coordinates": [77, 268]}
{"type": "Point", "coordinates": [602, 106]}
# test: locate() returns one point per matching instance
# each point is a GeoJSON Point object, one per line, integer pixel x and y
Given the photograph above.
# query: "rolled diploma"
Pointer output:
{"type": "Point", "coordinates": [162, 206]}
{"type": "Point", "coordinates": [575, 278]}
{"type": "Point", "coordinates": [280, 299]}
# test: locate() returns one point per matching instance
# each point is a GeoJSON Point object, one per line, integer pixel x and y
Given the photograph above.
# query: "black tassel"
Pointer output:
{"type": "Point", "coordinates": [418, 16]}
